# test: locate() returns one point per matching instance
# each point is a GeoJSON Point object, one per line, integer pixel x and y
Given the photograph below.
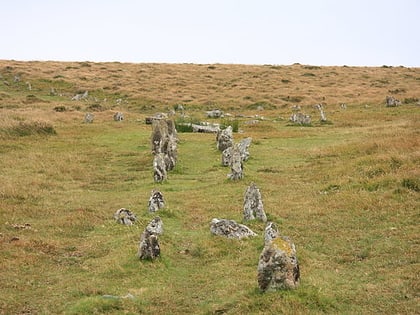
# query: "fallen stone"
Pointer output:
{"type": "Point", "coordinates": [230, 229]}
{"type": "Point", "coordinates": [125, 216]}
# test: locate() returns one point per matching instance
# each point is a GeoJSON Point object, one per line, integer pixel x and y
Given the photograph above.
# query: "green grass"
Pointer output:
{"type": "Point", "coordinates": [346, 193]}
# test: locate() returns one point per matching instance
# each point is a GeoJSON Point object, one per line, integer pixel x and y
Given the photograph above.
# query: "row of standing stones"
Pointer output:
{"type": "Point", "coordinates": [278, 266]}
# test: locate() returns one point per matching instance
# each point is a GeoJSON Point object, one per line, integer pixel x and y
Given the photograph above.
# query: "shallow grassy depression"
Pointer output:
{"type": "Point", "coordinates": [345, 191]}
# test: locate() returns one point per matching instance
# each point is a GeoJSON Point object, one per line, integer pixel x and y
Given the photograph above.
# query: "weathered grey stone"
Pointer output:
{"type": "Point", "coordinates": [230, 229]}
{"type": "Point", "coordinates": [236, 165]}
{"type": "Point", "coordinates": [155, 226]}
{"type": "Point", "coordinates": [226, 156]}
{"type": "Point", "coordinates": [149, 247]}
{"type": "Point", "coordinates": [159, 168]}
{"type": "Point", "coordinates": [210, 128]}
{"type": "Point", "coordinates": [301, 119]}
{"type": "Point", "coordinates": [89, 118]}
{"type": "Point", "coordinates": [80, 96]}
{"type": "Point", "coordinates": [165, 141]}
{"type": "Point", "coordinates": [392, 101]}
{"type": "Point", "coordinates": [243, 146]}
{"type": "Point", "coordinates": [278, 267]}
{"type": "Point", "coordinates": [224, 138]}
{"type": "Point", "coordinates": [156, 201]}
{"type": "Point", "coordinates": [321, 112]}
{"type": "Point", "coordinates": [216, 113]}
{"type": "Point", "coordinates": [125, 216]}
{"type": "Point", "coordinates": [271, 232]}
{"type": "Point", "coordinates": [118, 116]}
{"type": "Point", "coordinates": [253, 205]}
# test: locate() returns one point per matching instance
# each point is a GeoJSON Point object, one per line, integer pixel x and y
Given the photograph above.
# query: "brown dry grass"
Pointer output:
{"type": "Point", "coordinates": [346, 192]}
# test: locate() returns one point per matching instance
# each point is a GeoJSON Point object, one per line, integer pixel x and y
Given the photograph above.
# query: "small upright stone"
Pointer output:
{"type": "Point", "coordinates": [224, 138]}
{"type": "Point", "coordinates": [89, 118]}
{"type": "Point", "coordinates": [118, 116]}
{"type": "Point", "coordinates": [253, 205]}
{"type": "Point", "coordinates": [125, 216]}
{"type": "Point", "coordinates": [271, 232]}
{"type": "Point", "coordinates": [159, 168]}
{"type": "Point", "coordinates": [156, 201]}
{"type": "Point", "coordinates": [236, 164]}
{"type": "Point", "coordinates": [278, 267]}
{"type": "Point", "coordinates": [155, 226]}
{"type": "Point", "coordinates": [149, 247]}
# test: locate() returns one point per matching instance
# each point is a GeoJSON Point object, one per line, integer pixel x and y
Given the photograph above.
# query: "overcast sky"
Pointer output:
{"type": "Point", "coordinates": [316, 32]}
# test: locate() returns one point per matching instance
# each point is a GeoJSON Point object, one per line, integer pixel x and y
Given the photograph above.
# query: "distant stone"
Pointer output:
{"type": "Point", "coordinates": [159, 168]}
{"type": "Point", "coordinates": [89, 118]}
{"type": "Point", "coordinates": [156, 201]}
{"type": "Point", "coordinates": [125, 216]}
{"type": "Point", "coordinates": [253, 205]}
{"type": "Point", "coordinates": [301, 119]}
{"type": "Point", "coordinates": [321, 112]}
{"type": "Point", "coordinates": [278, 267]}
{"type": "Point", "coordinates": [80, 96]}
{"type": "Point", "coordinates": [392, 101]}
{"type": "Point", "coordinates": [230, 229]}
{"type": "Point", "coordinates": [224, 138]}
{"type": "Point", "coordinates": [216, 113]}
{"type": "Point", "coordinates": [236, 164]}
{"type": "Point", "coordinates": [118, 116]}
{"type": "Point", "coordinates": [243, 146]}
{"type": "Point", "coordinates": [210, 128]}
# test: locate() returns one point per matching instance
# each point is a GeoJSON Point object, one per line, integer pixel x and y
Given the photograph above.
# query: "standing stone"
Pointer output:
{"type": "Point", "coordinates": [301, 119]}
{"type": "Point", "coordinates": [243, 148]}
{"type": "Point", "coordinates": [89, 118]}
{"type": "Point", "coordinates": [149, 247]}
{"type": "Point", "coordinates": [226, 156]}
{"type": "Point", "coordinates": [392, 101]}
{"type": "Point", "coordinates": [230, 229]}
{"type": "Point", "coordinates": [224, 138]}
{"type": "Point", "coordinates": [271, 232]}
{"type": "Point", "coordinates": [125, 216]}
{"type": "Point", "coordinates": [155, 226]}
{"type": "Point", "coordinates": [253, 205]}
{"type": "Point", "coordinates": [236, 165]}
{"type": "Point", "coordinates": [159, 168]}
{"type": "Point", "coordinates": [321, 112]}
{"type": "Point", "coordinates": [118, 116]}
{"type": "Point", "coordinates": [156, 201]}
{"type": "Point", "coordinates": [278, 267]}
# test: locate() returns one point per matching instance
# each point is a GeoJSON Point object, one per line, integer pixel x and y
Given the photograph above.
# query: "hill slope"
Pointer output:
{"type": "Point", "coordinates": [346, 191]}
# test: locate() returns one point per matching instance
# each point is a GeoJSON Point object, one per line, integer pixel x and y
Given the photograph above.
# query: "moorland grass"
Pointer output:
{"type": "Point", "coordinates": [346, 192]}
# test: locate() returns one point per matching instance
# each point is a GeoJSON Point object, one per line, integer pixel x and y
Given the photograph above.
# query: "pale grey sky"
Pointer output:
{"type": "Point", "coordinates": [316, 32]}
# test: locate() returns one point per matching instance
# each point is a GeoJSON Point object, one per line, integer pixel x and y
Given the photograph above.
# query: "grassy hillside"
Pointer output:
{"type": "Point", "coordinates": [345, 191]}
